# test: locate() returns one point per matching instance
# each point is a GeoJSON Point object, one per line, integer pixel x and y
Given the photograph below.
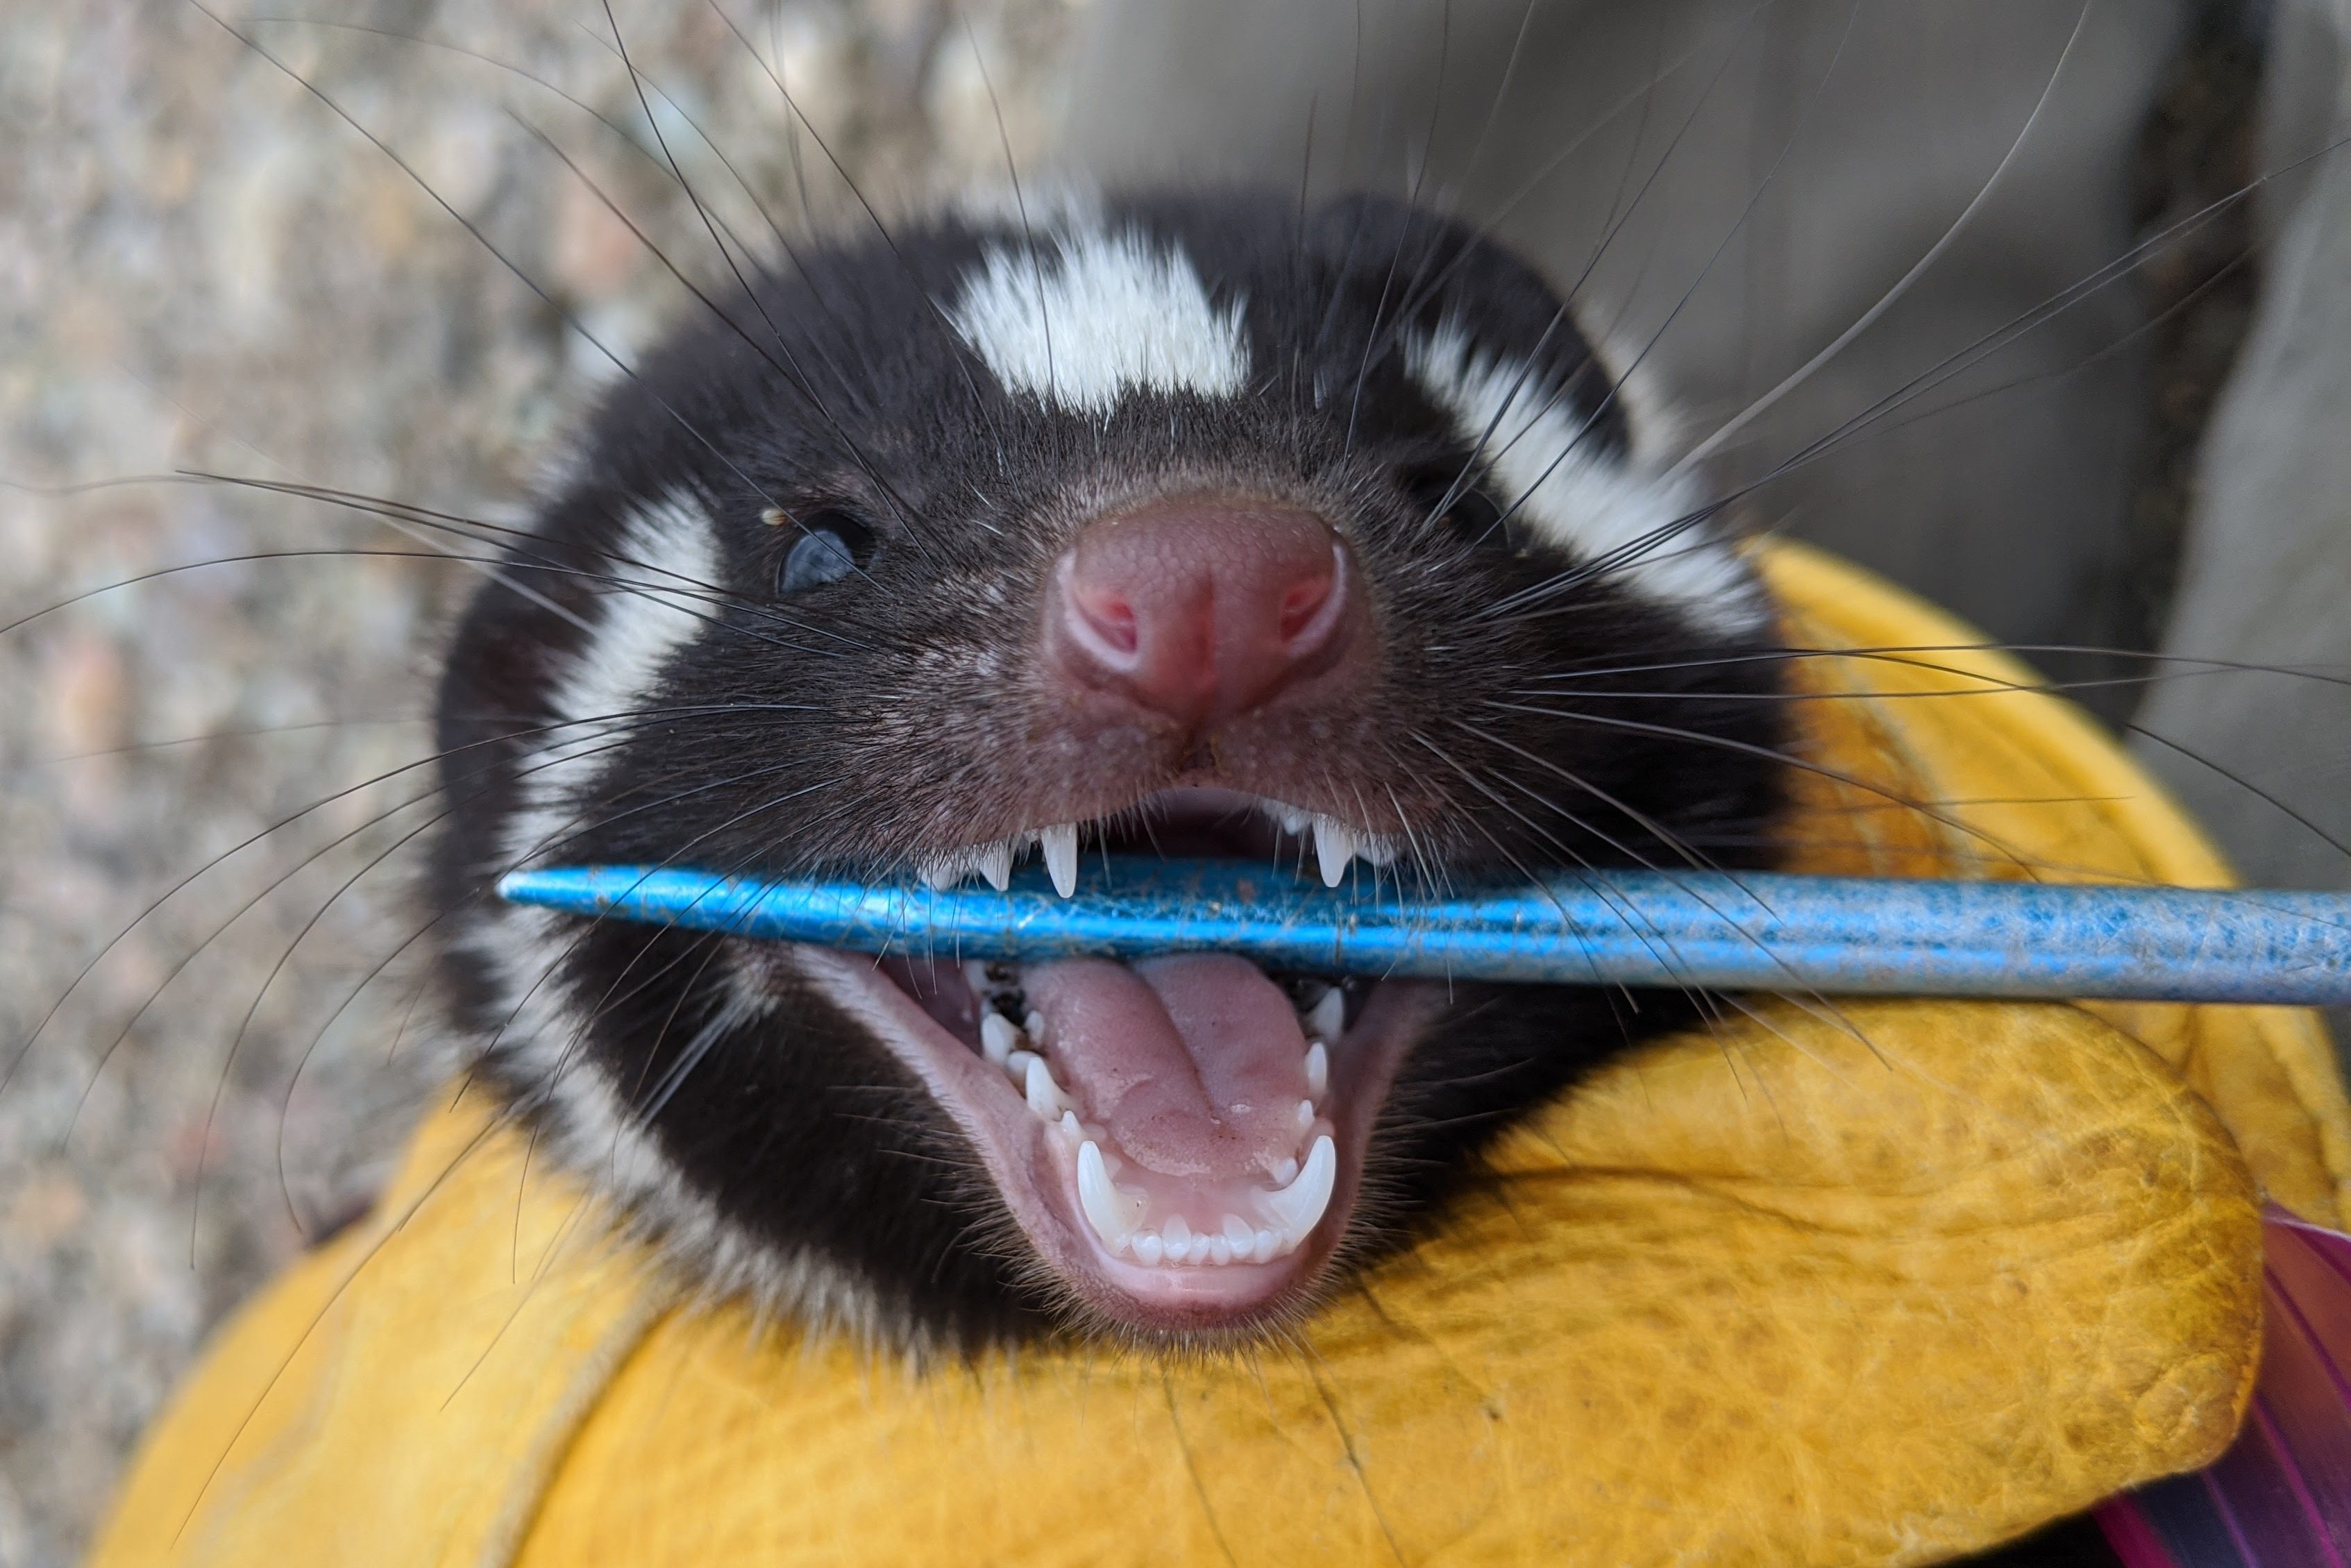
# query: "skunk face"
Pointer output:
{"type": "Point", "coordinates": [1194, 525]}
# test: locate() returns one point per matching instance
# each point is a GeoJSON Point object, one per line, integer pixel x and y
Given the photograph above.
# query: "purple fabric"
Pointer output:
{"type": "Point", "coordinates": [2281, 1495]}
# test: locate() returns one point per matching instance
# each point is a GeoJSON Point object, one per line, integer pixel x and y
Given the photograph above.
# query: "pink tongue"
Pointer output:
{"type": "Point", "coordinates": [1195, 1063]}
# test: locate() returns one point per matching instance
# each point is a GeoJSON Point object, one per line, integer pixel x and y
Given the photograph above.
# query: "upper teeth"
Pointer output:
{"type": "Point", "coordinates": [991, 860]}
{"type": "Point", "coordinates": [1061, 856]}
{"type": "Point", "coordinates": [1336, 846]}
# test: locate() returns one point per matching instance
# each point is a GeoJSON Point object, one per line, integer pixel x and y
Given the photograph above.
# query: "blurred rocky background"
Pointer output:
{"type": "Point", "coordinates": [204, 270]}
{"type": "Point", "coordinates": [215, 291]}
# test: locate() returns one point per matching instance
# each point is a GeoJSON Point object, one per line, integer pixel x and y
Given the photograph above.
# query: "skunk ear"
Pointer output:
{"type": "Point", "coordinates": [2281, 1495]}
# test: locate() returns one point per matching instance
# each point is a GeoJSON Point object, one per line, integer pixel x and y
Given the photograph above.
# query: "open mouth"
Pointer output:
{"type": "Point", "coordinates": [1180, 1137]}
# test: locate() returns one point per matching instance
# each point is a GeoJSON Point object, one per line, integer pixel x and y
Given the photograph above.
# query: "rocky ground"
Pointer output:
{"type": "Point", "coordinates": [204, 270]}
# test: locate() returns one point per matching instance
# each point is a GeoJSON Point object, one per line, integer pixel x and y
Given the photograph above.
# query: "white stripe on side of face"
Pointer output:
{"type": "Point", "coordinates": [1592, 505]}
{"type": "Point", "coordinates": [1089, 317]}
{"type": "Point", "coordinates": [663, 593]}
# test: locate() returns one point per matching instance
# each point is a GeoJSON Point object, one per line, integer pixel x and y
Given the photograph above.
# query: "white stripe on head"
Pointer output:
{"type": "Point", "coordinates": [1088, 316]}
{"type": "Point", "coordinates": [1580, 499]}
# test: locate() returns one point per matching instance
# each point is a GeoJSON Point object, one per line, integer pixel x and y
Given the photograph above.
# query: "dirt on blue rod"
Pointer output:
{"type": "Point", "coordinates": [1718, 931]}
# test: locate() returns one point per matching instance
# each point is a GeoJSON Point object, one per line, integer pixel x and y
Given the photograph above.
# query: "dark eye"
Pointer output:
{"type": "Point", "coordinates": [1442, 494]}
{"type": "Point", "coordinates": [825, 545]}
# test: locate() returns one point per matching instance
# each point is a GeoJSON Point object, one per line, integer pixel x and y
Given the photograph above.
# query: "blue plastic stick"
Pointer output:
{"type": "Point", "coordinates": [1831, 935]}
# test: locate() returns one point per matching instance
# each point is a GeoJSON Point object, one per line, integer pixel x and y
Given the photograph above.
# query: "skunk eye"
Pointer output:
{"type": "Point", "coordinates": [827, 546]}
{"type": "Point", "coordinates": [1442, 494]}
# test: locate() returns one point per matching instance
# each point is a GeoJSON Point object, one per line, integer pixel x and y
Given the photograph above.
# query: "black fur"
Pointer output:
{"type": "Point", "coordinates": [852, 725]}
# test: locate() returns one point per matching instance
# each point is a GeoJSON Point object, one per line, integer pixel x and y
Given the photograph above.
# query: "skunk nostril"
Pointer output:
{"type": "Point", "coordinates": [1199, 607]}
{"type": "Point", "coordinates": [1110, 617]}
{"type": "Point", "coordinates": [1299, 605]}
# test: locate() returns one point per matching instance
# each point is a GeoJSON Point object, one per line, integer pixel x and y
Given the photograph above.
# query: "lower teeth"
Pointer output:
{"type": "Point", "coordinates": [1289, 1211]}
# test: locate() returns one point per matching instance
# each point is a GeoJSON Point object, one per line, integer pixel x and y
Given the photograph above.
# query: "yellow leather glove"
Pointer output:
{"type": "Point", "coordinates": [1876, 1284]}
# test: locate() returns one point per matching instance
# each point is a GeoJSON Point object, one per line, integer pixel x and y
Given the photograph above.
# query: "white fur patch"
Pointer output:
{"type": "Point", "coordinates": [1580, 499]}
{"type": "Point", "coordinates": [667, 566]}
{"type": "Point", "coordinates": [1090, 317]}
{"type": "Point", "coordinates": [665, 571]}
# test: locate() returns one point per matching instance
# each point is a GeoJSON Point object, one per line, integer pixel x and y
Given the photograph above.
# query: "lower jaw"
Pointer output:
{"type": "Point", "coordinates": [1034, 1163]}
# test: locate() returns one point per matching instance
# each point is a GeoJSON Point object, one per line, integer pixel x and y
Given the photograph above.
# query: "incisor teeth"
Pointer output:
{"type": "Point", "coordinates": [1149, 1249]}
{"type": "Point", "coordinates": [1298, 1207]}
{"type": "Point", "coordinates": [997, 1038]}
{"type": "Point", "coordinates": [994, 861]}
{"type": "Point", "coordinates": [1318, 1068]}
{"type": "Point", "coordinates": [1061, 856]}
{"type": "Point", "coordinates": [1334, 846]}
{"type": "Point", "coordinates": [1327, 1019]}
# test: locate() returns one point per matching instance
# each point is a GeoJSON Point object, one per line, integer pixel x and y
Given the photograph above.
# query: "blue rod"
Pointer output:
{"type": "Point", "coordinates": [1830, 935]}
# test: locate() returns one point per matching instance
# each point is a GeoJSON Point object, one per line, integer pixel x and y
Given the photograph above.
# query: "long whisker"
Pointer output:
{"type": "Point", "coordinates": [569, 319]}
{"type": "Point", "coordinates": [1780, 759]}
{"type": "Point", "coordinates": [1886, 301]}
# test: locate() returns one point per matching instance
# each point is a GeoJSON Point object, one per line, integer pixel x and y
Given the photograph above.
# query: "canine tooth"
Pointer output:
{"type": "Point", "coordinates": [1061, 856]}
{"type": "Point", "coordinates": [1298, 1207]}
{"type": "Point", "coordinates": [1045, 1096]}
{"type": "Point", "coordinates": [1267, 1244]}
{"type": "Point", "coordinates": [1017, 1065]}
{"type": "Point", "coordinates": [1318, 1070]}
{"type": "Point", "coordinates": [1334, 846]}
{"type": "Point", "coordinates": [1112, 1213]}
{"type": "Point", "coordinates": [1285, 1173]}
{"type": "Point", "coordinates": [1327, 1019]}
{"type": "Point", "coordinates": [997, 1038]}
{"type": "Point", "coordinates": [1305, 1118]}
{"type": "Point", "coordinates": [1220, 1251]}
{"type": "Point", "coordinates": [995, 862]}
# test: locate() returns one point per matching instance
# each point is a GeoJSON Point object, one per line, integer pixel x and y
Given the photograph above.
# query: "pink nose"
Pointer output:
{"type": "Point", "coordinates": [1200, 607]}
